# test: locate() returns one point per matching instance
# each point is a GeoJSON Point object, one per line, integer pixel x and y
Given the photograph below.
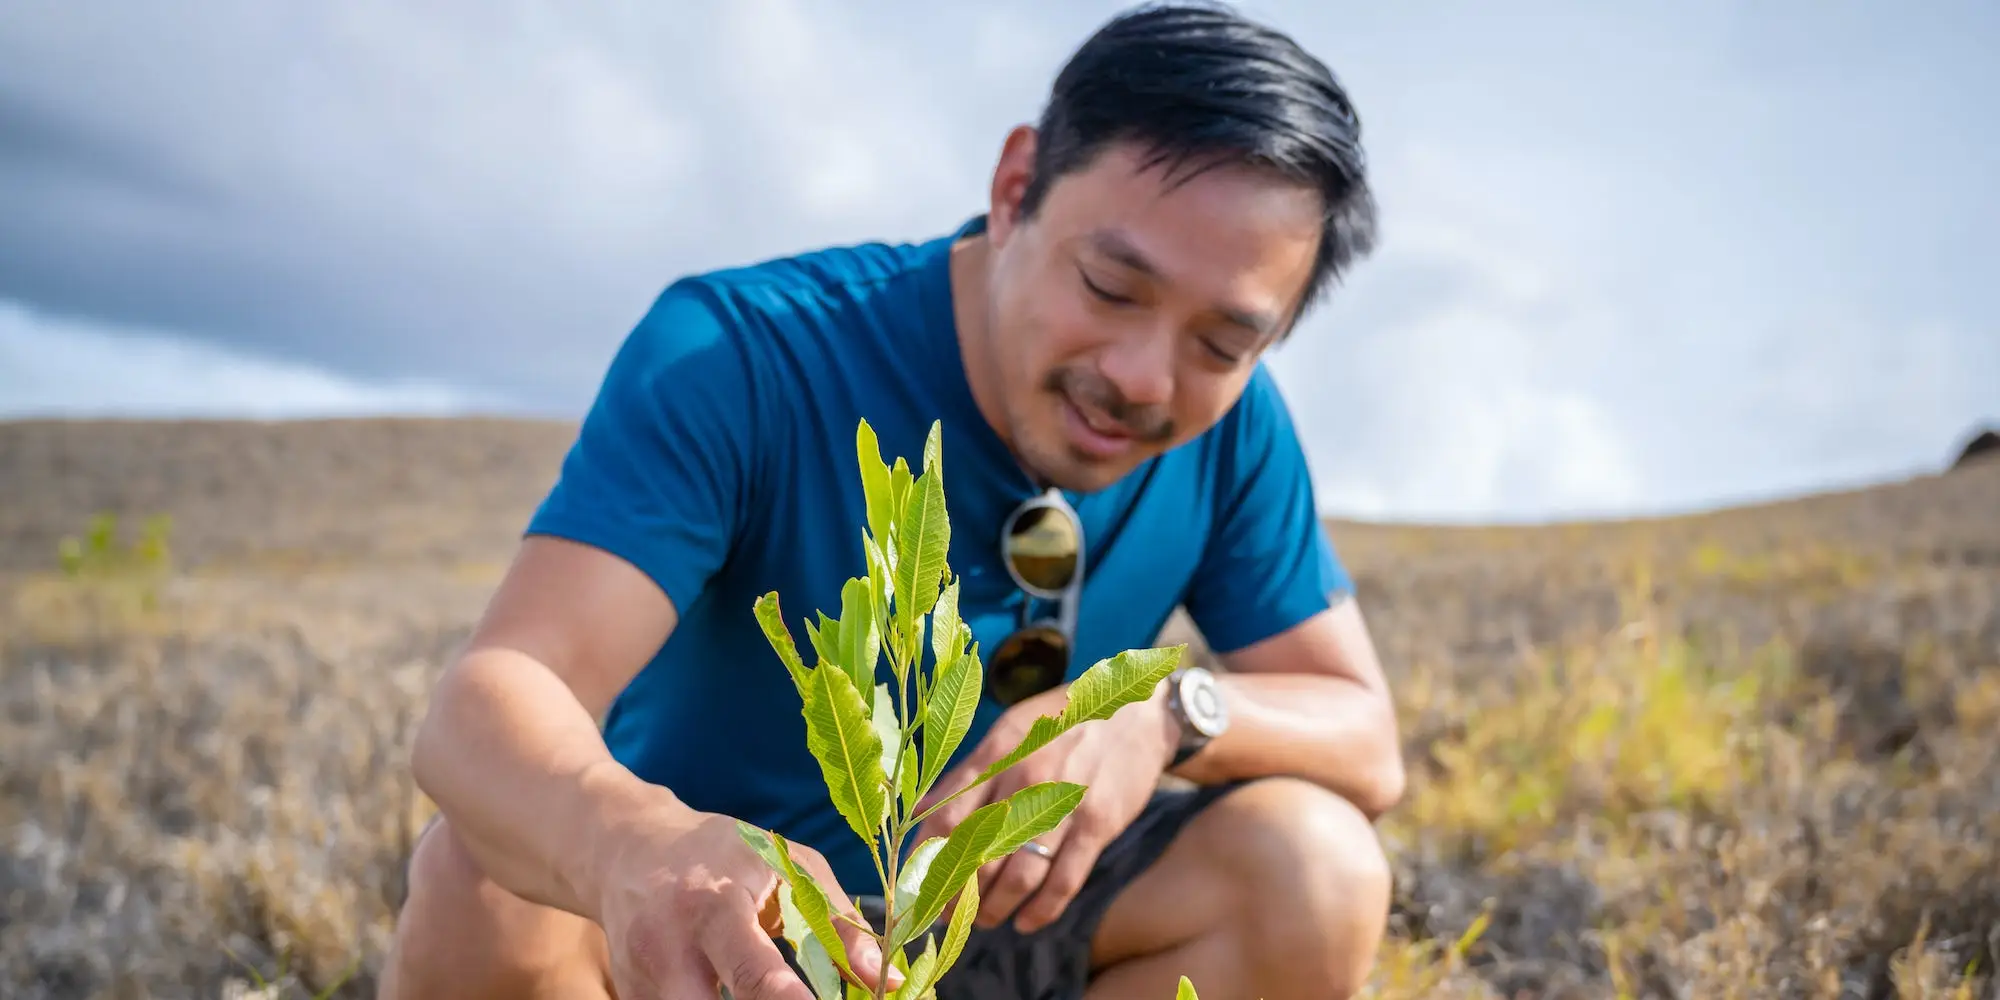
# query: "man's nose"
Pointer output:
{"type": "Point", "coordinates": [1141, 366]}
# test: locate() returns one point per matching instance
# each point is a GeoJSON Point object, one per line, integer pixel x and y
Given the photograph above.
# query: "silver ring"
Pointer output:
{"type": "Point", "coordinates": [1038, 849]}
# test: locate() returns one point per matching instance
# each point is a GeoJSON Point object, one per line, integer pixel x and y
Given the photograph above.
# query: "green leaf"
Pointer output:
{"type": "Point", "coordinates": [899, 492]}
{"type": "Point", "coordinates": [954, 700]}
{"type": "Point", "coordinates": [1044, 729]}
{"type": "Point", "coordinates": [860, 643]}
{"type": "Point", "coordinates": [960, 929]}
{"type": "Point", "coordinates": [825, 639]}
{"type": "Point", "coordinates": [921, 973]}
{"type": "Point", "coordinates": [1186, 991]}
{"type": "Point", "coordinates": [948, 631]}
{"type": "Point", "coordinates": [1109, 684]}
{"type": "Point", "coordinates": [900, 480]}
{"type": "Point", "coordinates": [923, 537]}
{"type": "Point", "coordinates": [910, 878]}
{"type": "Point", "coordinates": [772, 618]}
{"type": "Point", "coordinates": [1113, 683]}
{"type": "Point", "coordinates": [957, 862]}
{"type": "Point", "coordinates": [811, 899]}
{"type": "Point", "coordinates": [850, 754]}
{"type": "Point", "coordinates": [761, 842]}
{"type": "Point", "coordinates": [874, 481]}
{"type": "Point", "coordinates": [956, 934]}
{"type": "Point", "coordinates": [812, 953]}
{"type": "Point", "coordinates": [908, 791]}
{"type": "Point", "coordinates": [899, 962]}
{"type": "Point", "coordinates": [881, 589]}
{"type": "Point", "coordinates": [887, 729]}
{"type": "Point", "coordinates": [1033, 811]}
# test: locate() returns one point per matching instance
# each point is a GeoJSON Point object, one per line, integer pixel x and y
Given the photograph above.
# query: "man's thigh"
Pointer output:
{"type": "Point", "coordinates": [460, 934]}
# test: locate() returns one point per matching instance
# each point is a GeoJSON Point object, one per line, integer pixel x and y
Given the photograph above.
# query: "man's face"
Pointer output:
{"type": "Point", "coordinates": [1126, 317]}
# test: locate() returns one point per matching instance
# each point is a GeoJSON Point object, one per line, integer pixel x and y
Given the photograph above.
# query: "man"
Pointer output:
{"type": "Point", "coordinates": [1092, 346]}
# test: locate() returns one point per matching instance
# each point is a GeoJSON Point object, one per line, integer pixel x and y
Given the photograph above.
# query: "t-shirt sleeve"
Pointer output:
{"type": "Point", "coordinates": [1268, 564]}
{"type": "Point", "coordinates": [659, 472]}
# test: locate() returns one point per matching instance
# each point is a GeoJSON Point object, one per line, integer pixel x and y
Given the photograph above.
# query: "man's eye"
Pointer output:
{"type": "Point", "coordinates": [1220, 354]}
{"type": "Point", "coordinates": [1101, 293]}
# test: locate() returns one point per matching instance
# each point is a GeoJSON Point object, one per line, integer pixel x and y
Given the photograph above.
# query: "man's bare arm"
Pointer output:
{"type": "Point", "coordinates": [1312, 702]}
{"type": "Point", "coordinates": [511, 750]}
{"type": "Point", "coordinates": [512, 753]}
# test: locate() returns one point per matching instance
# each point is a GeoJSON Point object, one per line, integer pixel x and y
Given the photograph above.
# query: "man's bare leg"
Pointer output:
{"type": "Point", "coordinates": [460, 935]}
{"type": "Point", "coordinates": [1278, 890]}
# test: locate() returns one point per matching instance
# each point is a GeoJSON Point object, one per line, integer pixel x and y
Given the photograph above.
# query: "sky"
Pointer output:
{"type": "Point", "coordinates": [1637, 257]}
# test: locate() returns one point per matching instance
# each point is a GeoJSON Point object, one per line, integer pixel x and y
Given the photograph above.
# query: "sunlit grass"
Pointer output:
{"type": "Point", "coordinates": [1736, 845]}
{"type": "Point", "coordinates": [1746, 755]}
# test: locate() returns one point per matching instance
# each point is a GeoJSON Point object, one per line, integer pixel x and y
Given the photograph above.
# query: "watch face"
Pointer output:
{"type": "Point", "coordinates": [1201, 702]}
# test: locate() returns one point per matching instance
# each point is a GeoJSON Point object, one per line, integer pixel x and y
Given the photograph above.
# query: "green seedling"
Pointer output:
{"type": "Point", "coordinates": [882, 747]}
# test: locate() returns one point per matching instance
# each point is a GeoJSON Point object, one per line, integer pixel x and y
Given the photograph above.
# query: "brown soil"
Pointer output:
{"type": "Point", "coordinates": [1746, 753]}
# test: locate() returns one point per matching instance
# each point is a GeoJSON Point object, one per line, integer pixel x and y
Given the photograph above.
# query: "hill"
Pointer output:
{"type": "Point", "coordinates": [1741, 753]}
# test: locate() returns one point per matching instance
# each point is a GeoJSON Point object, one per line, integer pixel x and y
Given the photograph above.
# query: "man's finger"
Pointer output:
{"type": "Point", "coordinates": [1006, 883]}
{"type": "Point", "coordinates": [688, 979]}
{"type": "Point", "coordinates": [747, 961]}
{"type": "Point", "coordinates": [1063, 880]}
{"type": "Point", "coordinates": [678, 971]}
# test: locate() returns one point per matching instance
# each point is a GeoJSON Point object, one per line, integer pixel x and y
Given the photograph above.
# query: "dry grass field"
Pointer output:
{"type": "Point", "coordinates": [1743, 754]}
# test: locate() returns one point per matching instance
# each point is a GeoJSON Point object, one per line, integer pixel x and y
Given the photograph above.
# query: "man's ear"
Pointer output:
{"type": "Point", "coordinates": [1011, 176]}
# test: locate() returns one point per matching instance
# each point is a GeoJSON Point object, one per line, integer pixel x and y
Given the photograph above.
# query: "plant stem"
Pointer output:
{"type": "Point", "coordinates": [888, 916]}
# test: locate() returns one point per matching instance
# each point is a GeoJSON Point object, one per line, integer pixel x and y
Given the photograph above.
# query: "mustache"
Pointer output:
{"type": "Point", "coordinates": [1150, 424]}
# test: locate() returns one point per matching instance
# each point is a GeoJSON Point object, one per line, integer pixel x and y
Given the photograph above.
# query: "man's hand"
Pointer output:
{"type": "Point", "coordinates": [1119, 761]}
{"type": "Point", "coordinates": [686, 904]}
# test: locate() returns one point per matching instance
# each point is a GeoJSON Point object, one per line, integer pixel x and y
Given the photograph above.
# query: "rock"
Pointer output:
{"type": "Point", "coordinates": [1984, 446]}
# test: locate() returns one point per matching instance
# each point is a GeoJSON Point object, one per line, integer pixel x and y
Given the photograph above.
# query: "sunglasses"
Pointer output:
{"type": "Point", "coordinates": [1042, 546]}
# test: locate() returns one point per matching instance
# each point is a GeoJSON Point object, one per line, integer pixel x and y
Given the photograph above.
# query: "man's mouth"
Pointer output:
{"type": "Point", "coordinates": [1102, 424]}
{"type": "Point", "coordinates": [1099, 437]}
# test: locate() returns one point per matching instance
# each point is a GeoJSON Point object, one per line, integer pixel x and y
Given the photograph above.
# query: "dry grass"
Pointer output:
{"type": "Point", "coordinates": [1743, 754]}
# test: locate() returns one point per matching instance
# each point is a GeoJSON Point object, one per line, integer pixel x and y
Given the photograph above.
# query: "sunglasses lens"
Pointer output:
{"type": "Point", "coordinates": [1027, 663]}
{"type": "Point", "coordinates": [1042, 547]}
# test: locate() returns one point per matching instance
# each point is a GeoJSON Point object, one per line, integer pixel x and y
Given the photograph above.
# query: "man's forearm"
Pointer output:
{"type": "Point", "coordinates": [519, 767]}
{"type": "Point", "coordinates": [1329, 730]}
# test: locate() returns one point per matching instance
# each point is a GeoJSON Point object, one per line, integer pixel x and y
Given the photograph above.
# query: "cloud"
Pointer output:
{"type": "Point", "coordinates": [52, 367]}
{"type": "Point", "coordinates": [491, 193]}
{"type": "Point", "coordinates": [1634, 258]}
{"type": "Point", "coordinates": [1727, 264]}
{"type": "Point", "coordinates": [1452, 377]}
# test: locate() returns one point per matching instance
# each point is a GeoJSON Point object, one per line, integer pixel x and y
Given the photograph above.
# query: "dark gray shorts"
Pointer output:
{"type": "Point", "coordinates": [1053, 963]}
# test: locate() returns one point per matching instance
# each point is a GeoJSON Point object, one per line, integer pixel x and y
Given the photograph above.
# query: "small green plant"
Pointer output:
{"type": "Point", "coordinates": [97, 553]}
{"type": "Point", "coordinates": [881, 756]}
{"type": "Point", "coordinates": [119, 580]}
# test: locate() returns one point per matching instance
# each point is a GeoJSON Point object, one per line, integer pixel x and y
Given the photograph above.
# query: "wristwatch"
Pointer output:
{"type": "Point", "coordinates": [1194, 699]}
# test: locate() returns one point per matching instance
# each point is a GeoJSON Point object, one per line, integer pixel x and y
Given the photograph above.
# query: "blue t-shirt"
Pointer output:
{"type": "Point", "coordinates": [718, 458]}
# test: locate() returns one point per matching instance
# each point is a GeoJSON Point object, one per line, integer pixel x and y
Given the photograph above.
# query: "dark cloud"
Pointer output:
{"type": "Point", "coordinates": [45, 151]}
{"type": "Point", "coordinates": [489, 194]}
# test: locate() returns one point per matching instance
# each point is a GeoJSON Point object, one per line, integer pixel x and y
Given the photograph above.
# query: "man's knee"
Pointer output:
{"type": "Point", "coordinates": [440, 864]}
{"type": "Point", "coordinates": [462, 934]}
{"type": "Point", "coordinates": [1313, 875]}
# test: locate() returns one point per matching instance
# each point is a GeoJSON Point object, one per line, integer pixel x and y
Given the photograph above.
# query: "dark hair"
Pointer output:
{"type": "Point", "coordinates": [1198, 81]}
